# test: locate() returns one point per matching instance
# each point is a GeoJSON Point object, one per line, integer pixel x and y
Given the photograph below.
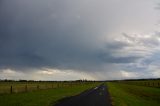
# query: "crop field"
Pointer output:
{"type": "Point", "coordinates": [134, 93]}
{"type": "Point", "coordinates": [46, 94]}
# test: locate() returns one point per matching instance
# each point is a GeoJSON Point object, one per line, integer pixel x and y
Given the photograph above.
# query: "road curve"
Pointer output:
{"type": "Point", "coordinates": [97, 96]}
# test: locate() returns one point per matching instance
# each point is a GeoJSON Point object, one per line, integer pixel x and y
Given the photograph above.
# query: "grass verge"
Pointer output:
{"type": "Point", "coordinates": [132, 95]}
{"type": "Point", "coordinates": [41, 97]}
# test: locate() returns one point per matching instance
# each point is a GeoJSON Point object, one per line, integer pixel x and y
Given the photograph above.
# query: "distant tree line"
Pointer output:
{"type": "Point", "coordinates": [142, 79]}
{"type": "Point", "coordinates": [81, 80]}
{"type": "Point", "coordinates": [9, 80]}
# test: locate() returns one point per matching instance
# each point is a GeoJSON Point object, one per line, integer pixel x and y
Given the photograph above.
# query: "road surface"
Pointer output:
{"type": "Point", "coordinates": [97, 96]}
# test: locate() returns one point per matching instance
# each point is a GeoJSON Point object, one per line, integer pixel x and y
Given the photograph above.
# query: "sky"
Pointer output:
{"type": "Point", "coordinates": [79, 39]}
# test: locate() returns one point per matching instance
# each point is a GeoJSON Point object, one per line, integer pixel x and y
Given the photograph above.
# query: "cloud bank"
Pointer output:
{"type": "Point", "coordinates": [106, 39]}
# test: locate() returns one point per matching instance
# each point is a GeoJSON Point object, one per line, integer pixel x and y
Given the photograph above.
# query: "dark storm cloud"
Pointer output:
{"type": "Point", "coordinates": [84, 35]}
{"type": "Point", "coordinates": [52, 33]}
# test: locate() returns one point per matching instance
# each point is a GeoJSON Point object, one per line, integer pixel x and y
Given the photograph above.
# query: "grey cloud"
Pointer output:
{"type": "Point", "coordinates": [157, 6]}
{"type": "Point", "coordinates": [46, 34]}
{"type": "Point", "coordinates": [150, 40]}
{"type": "Point", "coordinates": [66, 34]}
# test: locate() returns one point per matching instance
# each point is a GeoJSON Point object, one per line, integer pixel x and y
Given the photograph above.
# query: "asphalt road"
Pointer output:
{"type": "Point", "coordinates": [97, 96]}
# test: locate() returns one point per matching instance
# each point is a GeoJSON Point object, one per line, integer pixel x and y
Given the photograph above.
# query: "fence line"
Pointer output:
{"type": "Point", "coordinates": [18, 88]}
{"type": "Point", "coordinates": [143, 83]}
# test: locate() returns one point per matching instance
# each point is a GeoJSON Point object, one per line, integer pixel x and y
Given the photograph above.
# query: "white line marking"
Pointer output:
{"type": "Point", "coordinates": [96, 88]}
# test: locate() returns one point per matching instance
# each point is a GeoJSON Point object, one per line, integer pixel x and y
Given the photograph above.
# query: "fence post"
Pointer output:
{"type": "Point", "coordinates": [46, 86]}
{"type": "Point", "coordinates": [11, 90]}
{"type": "Point", "coordinates": [26, 88]}
{"type": "Point", "coordinates": [37, 86]}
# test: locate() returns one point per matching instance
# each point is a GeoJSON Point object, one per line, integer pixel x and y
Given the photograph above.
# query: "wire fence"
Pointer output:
{"type": "Point", "coordinates": [11, 88]}
{"type": "Point", "coordinates": [143, 83]}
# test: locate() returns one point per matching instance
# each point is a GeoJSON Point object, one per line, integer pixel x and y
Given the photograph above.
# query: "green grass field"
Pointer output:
{"type": "Point", "coordinates": [19, 87]}
{"type": "Point", "coordinates": [130, 93]}
{"type": "Point", "coordinates": [133, 95]}
{"type": "Point", "coordinates": [42, 97]}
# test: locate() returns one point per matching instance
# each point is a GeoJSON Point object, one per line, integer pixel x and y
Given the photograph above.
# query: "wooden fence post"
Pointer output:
{"type": "Point", "coordinates": [58, 85]}
{"type": "Point", "coordinates": [11, 90]}
{"type": "Point", "coordinates": [25, 88]}
{"type": "Point", "coordinates": [37, 86]}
